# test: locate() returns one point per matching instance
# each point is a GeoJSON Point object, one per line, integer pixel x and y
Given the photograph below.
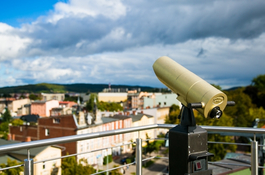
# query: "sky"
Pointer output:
{"type": "Point", "coordinates": [117, 41]}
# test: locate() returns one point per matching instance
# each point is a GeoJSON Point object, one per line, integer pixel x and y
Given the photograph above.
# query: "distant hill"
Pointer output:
{"type": "Point", "coordinates": [63, 88]}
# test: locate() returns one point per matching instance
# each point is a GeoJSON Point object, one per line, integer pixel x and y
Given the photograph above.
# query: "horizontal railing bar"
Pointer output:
{"type": "Point", "coordinates": [222, 163]}
{"type": "Point", "coordinates": [229, 143]}
{"type": "Point", "coordinates": [157, 157]}
{"type": "Point", "coordinates": [148, 158]}
{"type": "Point", "coordinates": [62, 157]}
{"type": "Point", "coordinates": [7, 168]}
{"type": "Point", "coordinates": [74, 138]}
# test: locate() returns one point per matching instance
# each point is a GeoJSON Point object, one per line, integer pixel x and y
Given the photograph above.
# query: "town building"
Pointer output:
{"type": "Point", "coordinates": [6, 102]}
{"type": "Point", "coordinates": [145, 100]}
{"type": "Point", "coordinates": [43, 108]}
{"type": "Point", "coordinates": [81, 123]}
{"type": "Point", "coordinates": [52, 96]}
{"type": "Point", "coordinates": [37, 154]}
{"type": "Point", "coordinates": [18, 104]}
{"type": "Point", "coordinates": [112, 96]}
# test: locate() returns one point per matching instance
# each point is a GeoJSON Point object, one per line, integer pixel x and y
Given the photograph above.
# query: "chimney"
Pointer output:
{"type": "Point", "coordinates": [142, 112]}
{"type": "Point", "coordinates": [28, 139]}
{"type": "Point", "coordinates": [9, 137]}
{"type": "Point", "coordinates": [128, 113]}
{"type": "Point", "coordinates": [13, 136]}
{"type": "Point", "coordinates": [134, 112]}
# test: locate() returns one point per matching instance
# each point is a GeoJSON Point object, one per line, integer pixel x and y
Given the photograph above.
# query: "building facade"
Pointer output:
{"type": "Point", "coordinates": [43, 108]}
{"type": "Point", "coordinates": [53, 96]}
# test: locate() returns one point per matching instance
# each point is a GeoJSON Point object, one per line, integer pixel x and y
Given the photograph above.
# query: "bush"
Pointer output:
{"type": "Point", "coordinates": [148, 163]}
{"type": "Point", "coordinates": [105, 159]}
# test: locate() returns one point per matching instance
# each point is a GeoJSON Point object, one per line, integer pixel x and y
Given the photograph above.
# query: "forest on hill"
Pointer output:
{"type": "Point", "coordinates": [64, 88]}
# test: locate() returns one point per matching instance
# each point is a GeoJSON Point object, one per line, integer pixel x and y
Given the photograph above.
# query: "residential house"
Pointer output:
{"type": "Point", "coordinates": [146, 100]}
{"type": "Point", "coordinates": [42, 108]}
{"type": "Point", "coordinates": [140, 119]}
{"type": "Point", "coordinates": [65, 104]}
{"type": "Point", "coordinates": [6, 102]}
{"type": "Point", "coordinates": [18, 104]}
{"type": "Point", "coordinates": [24, 110]}
{"type": "Point", "coordinates": [41, 153]}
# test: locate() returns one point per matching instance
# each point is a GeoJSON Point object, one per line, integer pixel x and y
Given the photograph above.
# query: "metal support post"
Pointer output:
{"type": "Point", "coordinates": [254, 158]}
{"type": "Point", "coordinates": [138, 156]}
{"type": "Point", "coordinates": [28, 165]}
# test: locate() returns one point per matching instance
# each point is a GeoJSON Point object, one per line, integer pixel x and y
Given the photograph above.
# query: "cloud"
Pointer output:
{"type": "Point", "coordinates": [11, 43]}
{"type": "Point", "coordinates": [118, 41]}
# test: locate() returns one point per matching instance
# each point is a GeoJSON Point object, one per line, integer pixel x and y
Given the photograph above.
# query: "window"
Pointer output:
{"type": "Point", "coordinates": [81, 148]}
{"type": "Point", "coordinates": [56, 120]}
{"type": "Point", "coordinates": [54, 164]}
{"type": "Point", "coordinates": [87, 146]}
{"type": "Point", "coordinates": [47, 132]}
{"type": "Point", "coordinates": [44, 165]}
{"type": "Point", "coordinates": [165, 103]}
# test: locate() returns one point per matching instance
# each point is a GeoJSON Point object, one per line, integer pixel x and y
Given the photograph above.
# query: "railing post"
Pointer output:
{"type": "Point", "coordinates": [254, 158]}
{"type": "Point", "coordinates": [138, 156]}
{"type": "Point", "coordinates": [28, 165]}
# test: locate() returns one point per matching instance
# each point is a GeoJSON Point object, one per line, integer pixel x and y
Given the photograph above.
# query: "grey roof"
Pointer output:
{"type": "Point", "coordinates": [120, 117]}
{"type": "Point", "coordinates": [33, 151]}
{"type": "Point", "coordinates": [4, 158]}
{"type": "Point", "coordinates": [108, 119]}
{"type": "Point", "coordinates": [232, 159]}
{"type": "Point", "coordinates": [139, 117]}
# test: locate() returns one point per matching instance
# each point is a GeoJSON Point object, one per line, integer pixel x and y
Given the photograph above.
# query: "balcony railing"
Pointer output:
{"type": "Point", "coordinates": [28, 163]}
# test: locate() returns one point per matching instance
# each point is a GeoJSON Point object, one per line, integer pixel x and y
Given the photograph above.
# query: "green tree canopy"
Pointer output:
{"type": "Point", "coordinates": [109, 106]}
{"type": "Point", "coordinates": [12, 171]}
{"type": "Point", "coordinates": [6, 116]}
{"type": "Point", "coordinates": [34, 97]}
{"type": "Point", "coordinates": [172, 117]}
{"type": "Point", "coordinates": [90, 102]}
{"type": "Point", "coordinates": [259, 82]}
{"type": "Point", "coordinates": [70, 166]}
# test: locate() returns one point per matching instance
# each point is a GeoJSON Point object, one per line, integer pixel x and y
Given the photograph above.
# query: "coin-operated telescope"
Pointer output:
{"type": "Point", "coordinates": [187, 142]}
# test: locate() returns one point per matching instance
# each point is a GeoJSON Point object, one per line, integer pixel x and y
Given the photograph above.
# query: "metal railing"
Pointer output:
{"type": "Point", "coordinates": [28, 163]}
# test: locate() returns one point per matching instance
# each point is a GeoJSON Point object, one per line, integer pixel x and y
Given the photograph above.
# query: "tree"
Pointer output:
{"type": "Point", "coordinates": [17, 122]}
{"type": "Point", "coordinates": [90, 102]}
{"type": "Point", "coordinates": [109, 106]}
{"type": "Point", "coordinates": [6, 116]}
{"type": "Point", "coordinates": [172, 118]}
{"type": "Point", "coordinates": [70, 166]}
{"type": "Point", "coordinates": [107, 159]}
{"type": "Point", "coordinates": [259, 82]}
{"type": "Point", "coordinates": [12, 171]}
{"type": "Point", "coordinates": [240, 112]}
{"type": "Point", "coordinates": [34, 97]}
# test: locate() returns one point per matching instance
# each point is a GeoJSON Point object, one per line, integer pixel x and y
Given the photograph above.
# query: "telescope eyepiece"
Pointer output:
{"type": "Point", "coordinates": [216, 113]}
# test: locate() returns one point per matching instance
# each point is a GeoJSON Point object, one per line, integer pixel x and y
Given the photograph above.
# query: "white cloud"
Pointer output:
{"type": "Point", "coordinates": [11, 43]}
{"type": "Point", "coordinates": [118, 41]}
{"type": "Point", "coordinates": [110, 9]}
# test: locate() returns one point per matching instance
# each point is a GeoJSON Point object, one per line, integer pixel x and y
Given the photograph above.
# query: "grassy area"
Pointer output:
{"type": "Point", "coordinates": [242, 172]}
